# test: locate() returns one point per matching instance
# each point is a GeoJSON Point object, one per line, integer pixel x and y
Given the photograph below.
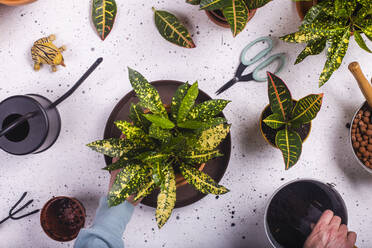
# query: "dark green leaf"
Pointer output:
{"type": "Point", "coordinates": [279, 96]}
{"type": "Point", "coordinates": [236, 15]}
{"type": "Point", "coordinates": [159, 133]}
{"type": "Point", "coordinates": [135, 114]}
{"type": "Point", "coordinates": [201, 181]}
{"type": "Point", "coordinates": [166, 198]}
{"type": "Point", "coordinates": [187, 102]}
{"type": "Point", "coordinates": [172, 29]}
{"type": "Point", "coordinates": [336, 53]}
{"type": "Point", "coordinates": [290, 144]}
{"type": "Point", "coordinates": [194, 124]}
{"type": "Point", "coordinates": [214, 4]}
{"type": "Point", "coordinates": [146, 93]}
{"type": "Point", "coordinates": [361, 42]}
{"type": "Point", "coordinates": [160, 121]}
{"type": "Point", "coordinates": [121, 163]}
{"type": "Point", "coordinates": [307, 108]}
{"type": "Point", "coordinates": [103, 16]}
{"type": "Point", "coordinates": [255, 4]}
{"type": "Point", "coordinates": [313, 47]}
{"type": "Point", "coordinates": [326, 28]}
{"type": "Point", "coordinates": [177, 99]}
{"type": "Point", "coordinates": [207, 110]}
{"type": "Point", "coordinates": [274, 121]}
{"type": "Point", "coordinates": [146, 189]}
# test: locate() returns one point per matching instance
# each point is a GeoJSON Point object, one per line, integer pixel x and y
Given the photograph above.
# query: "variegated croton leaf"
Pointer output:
{"type": "Point", "coordinates": [103, 16]}
{"type": "Point", "coordinates": [279, 96]}
{"type": "Point", "coordinates": [121, 163]}
{"type": "Point", "coordinates": [214, 4]}
{"type": "Point", "coordinates": [275, 121]}
{"type": "Point", "coordinates": [146, 93]}
{"type": "Point", "coordinates": [290, 144]}
{"type": "Point", "coordinates": [166, 197]}
{"type": "Point", "coordinates": [160, 121]}
{"type": "Point", "coordinates": [172, 29]}
{"type": "Point", "coordinates": [210, 138]}
{"type": "Point", "coordinates": [129, 130]}
{"type": "Point", "coordinates": [300, 37]}
{"type": "Point", "coordinates": [196, 157]}
{"type": "Point", "coordinates": [177, 99]}
{"type": "Point", "coordinates": [202, 125]}
{"type": "Point", "coordinates": [313, 47]}
{"type": "Point", "coordinates": [236, 15]}
{"type": "Point", "coordinates": [201, 181]}
{"type": "Point", "coordinates": [360, 41]}
{"type": "Point", "coordinates": [187, 102]}
{"type": "Point", "coordinates": [159, 133]}
{"type": "Point", "coordinates": [136, 116]}
{"type": "Point", "coordinates": [306, 109]}
{"type": "Point", "coordinates": [146, 189]}
{"type": "Point", "coordinates": [127, 182]}
{"type": "Point", "coordinates": [255, 4]}
{"type": "Point", "coordinates": [207, 110]}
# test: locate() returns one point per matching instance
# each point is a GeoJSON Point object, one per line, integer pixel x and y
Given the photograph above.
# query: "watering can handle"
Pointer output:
{"type": "Point", "coordinates": [363, 83]}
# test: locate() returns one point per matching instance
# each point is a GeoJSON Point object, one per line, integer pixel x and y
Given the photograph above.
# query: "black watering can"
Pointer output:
{"type": "Point", "coordinates": [31, 123]}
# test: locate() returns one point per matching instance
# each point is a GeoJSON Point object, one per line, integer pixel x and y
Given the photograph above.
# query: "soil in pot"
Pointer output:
{"type": "Point", "coordinates": [62, 218]}
{"type": "Point", "coordinates": [296, 206]}
{"type": "Point", "coordinates": [361, 135]}
{"type": "Point", "coordinates": [270, 133]}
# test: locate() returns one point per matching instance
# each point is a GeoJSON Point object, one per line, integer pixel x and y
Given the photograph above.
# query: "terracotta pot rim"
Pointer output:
{"type": "Point", "coordinates": [222, 22]}
{"type": "Point", "coordinates": [301, 13]}
{"type": "Point", "coordinates": [44, 221]}
{"type": "Point", "coordinates": [16, 2]}
{"type": "Point", "coordinates": [262, 132]}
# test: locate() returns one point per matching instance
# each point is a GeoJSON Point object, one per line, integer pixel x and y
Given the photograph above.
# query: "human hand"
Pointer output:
{"type": "Point", "coordinates": [113, 175]}
{"type": "Point", "coordinates": [330, 233]}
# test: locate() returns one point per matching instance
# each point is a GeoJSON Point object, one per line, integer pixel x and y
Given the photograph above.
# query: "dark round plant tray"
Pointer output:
{"type": "Point", "coordinates": [215, 168]}
{"type": "Point", "coordinates": [269, 134]}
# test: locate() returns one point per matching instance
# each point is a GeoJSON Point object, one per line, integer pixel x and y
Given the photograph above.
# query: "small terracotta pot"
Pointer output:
{"type": "Point", "coordinates": [217, 17]}
{"type": "Point", "coordinates": [268, 138]}
{"type": "Point", "coordinates": [304, 6]}
{"type": "Point", "coordinates": [16, 2]}
{"type": "Point", "coordinates": [62, 218]}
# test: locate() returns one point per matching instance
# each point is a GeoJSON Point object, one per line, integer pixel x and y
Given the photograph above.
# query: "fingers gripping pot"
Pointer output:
{"type": "Point", "coordinates": [31, 123]}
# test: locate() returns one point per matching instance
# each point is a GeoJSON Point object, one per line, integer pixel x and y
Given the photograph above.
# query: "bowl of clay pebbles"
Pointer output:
{"type": "Point", "coordinates": [361, 137]}
{"type": "Point", "coordinates": [295, 206]}
{"type": "Point", "coordinates": [62, 218]}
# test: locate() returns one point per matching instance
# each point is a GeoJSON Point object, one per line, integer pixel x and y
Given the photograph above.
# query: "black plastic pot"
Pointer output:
{"type": "Point", "coordinates": [295, 206]}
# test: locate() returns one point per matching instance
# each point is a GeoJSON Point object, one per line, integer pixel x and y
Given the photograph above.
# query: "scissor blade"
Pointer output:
{"type": "Point", "coordinates": [226, 86]}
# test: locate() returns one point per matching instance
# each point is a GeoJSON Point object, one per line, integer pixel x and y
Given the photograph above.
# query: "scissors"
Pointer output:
{"type": "Point", "coordinates": [13, 212]}
{"type": "Point", "coordinates": [247, 62]}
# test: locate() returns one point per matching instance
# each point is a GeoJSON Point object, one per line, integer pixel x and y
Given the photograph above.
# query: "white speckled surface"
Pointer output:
{"type": "Point", "coordinates": [255, 169]}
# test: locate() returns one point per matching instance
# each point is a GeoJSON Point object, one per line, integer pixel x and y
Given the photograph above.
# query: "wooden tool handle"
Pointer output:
{"type": "Point", "coordinates": [363, 83]}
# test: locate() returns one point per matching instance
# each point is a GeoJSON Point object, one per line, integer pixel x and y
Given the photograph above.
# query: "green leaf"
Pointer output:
{"type": "Point", "coordinates": [306, 109]}
{"type": "Point", "coordinates": [187, 102]}
{"type": "Point", "coordinates": [121, 163]}
{"type": "Point", "coordinates": [177, 99]}
{"type": "Point", "coordinates": [194, 157]}
{"type": "Point", "coordinates": [172, 29]}
{"type": "Point", "coordinates": [236, 15]}
{"type": "Point", "coordinates": [145, 190]}
{"type": "Point", "coordinates": [290, 144]}
{"type": "Point", "coordinates": [300, 37]}
{"type": "Point", "coordinates": [207, 110]}
{"type": "Point", "coordinates": [365, 2]}
{"type": "Point", "coordinates": [361, 42]}
{"type": "Point", "coordinates": [158, 172]}
{"type": "Point", "coordinates": [166, 198]}
{"type": "Point", "coordinates": [344, 8]}
{"type": "Point", "coordinates": [146, 93]}
{"type": "Point", "coordinates": [201, 181]}
{"type": "Point", "coordinates": [129, 130]}
{"type": "Point", "coordinates": [194, 124]}
{"type": "Point", "coordinates": [214, 4]}
{"type": "Point", "coordinates": [209, 139]}
{"type": "Point", "coordinates": [115, 147]}
{"type": "Point", "coordinates": [326, 28]}
{"type": "Point", "coordinates": [135, 114]}
{"type": "Point", "coordinates": [159, 133]}
{"type": "Point", "coordinates": [317, 12]}
{"type": "Point", "coordinates": [127, 182]}
{"type": "Point", "coordinates": [160, 121]}
{"type": "Point", "coordinates": [279, 96]}
{"type": "Point", "coordinates": [255, 4]}
{"type": "Point", "coordinates": [193, 2]}
{"type": "Point", "coordinates": [336, 53]}
{"type": "Point", "coordinates": [274, 121]}
{"type": "Point", "coordinates": [367, 30]}
{"type": "Point", "coordinates": [313, 47]}
{"type": "Point", "coordinates": [103, 16]}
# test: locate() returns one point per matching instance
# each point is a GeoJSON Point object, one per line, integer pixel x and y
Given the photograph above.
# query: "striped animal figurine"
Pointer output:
{"type": "Point", "coordinates": [45, 52]}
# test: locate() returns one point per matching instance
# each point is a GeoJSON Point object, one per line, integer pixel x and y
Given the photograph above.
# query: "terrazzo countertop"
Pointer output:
{"type": "Point", "coordinates": [255, 170]}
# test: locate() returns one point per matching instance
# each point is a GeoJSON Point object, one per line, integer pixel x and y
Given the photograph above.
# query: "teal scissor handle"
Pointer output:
{"type": "Point", "coordinates": [260, 55]}
{"type": "Point", "coordinates": [268, 61]}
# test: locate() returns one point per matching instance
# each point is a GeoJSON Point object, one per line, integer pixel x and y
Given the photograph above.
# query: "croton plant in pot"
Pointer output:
{"type": "Point", "coordinates": [236, 12]}
{"type": "Point", "coordinates": [288, 121]}
{"type": "Point", "coordinates": [333, 22]}
{"type": "Point", "coordinates": [162, 141]}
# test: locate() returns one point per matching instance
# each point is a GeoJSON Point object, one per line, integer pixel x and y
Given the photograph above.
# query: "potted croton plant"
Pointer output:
{"type": "Point", "coordinates": [286, 123]}
{"type": "Point", "coordinates": [230, 13]}
{"type": "Point", "coordinates": [333, 22]}
{"type": "Point", "coordinates": [163, 142]}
